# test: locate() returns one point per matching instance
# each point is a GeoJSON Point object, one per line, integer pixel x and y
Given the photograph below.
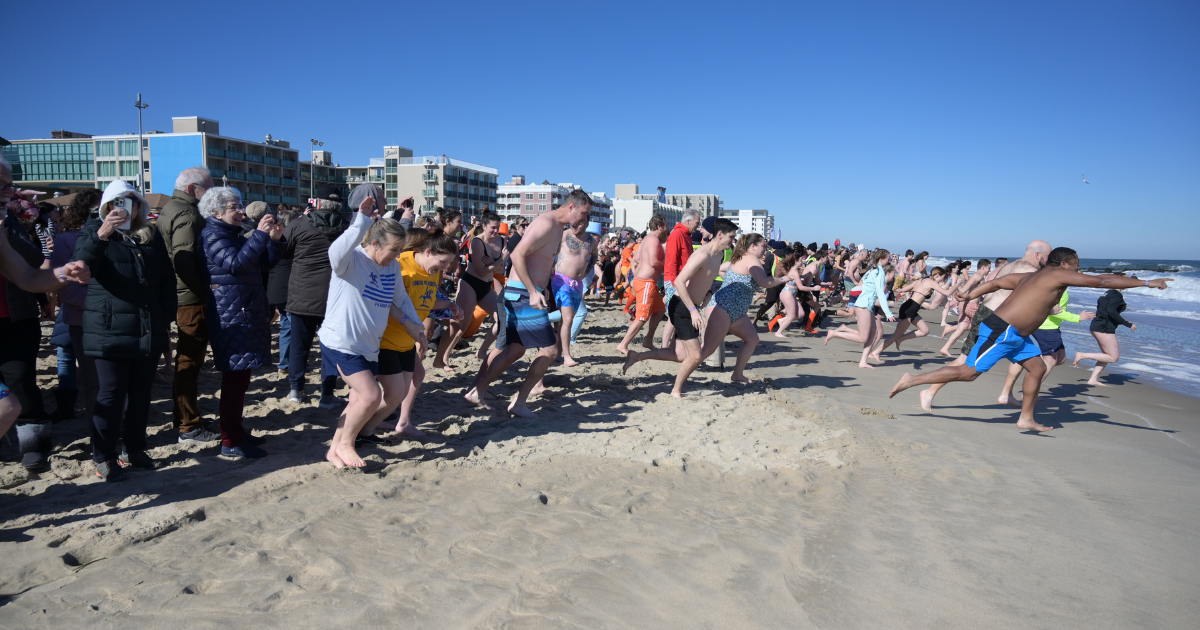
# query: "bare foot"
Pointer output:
{"type": "Point", "coordinates": [622, 350]}
{"type": "Point", "coordinates": [1005, 399]}
{"type": "Point", "coordinates": [1075, 363]}
{"type": "Point", "coordinates": [904, 383]}
{"type": "Point", "coordinates": [1030, 425]}
{"type": "Point", "coordinates": [943, 351]}
{"type": "Point", "coordinates": [828, 336]}
{"type": "Point", "coordinates": [740, 379]}
{"type": "Point", "coordinates": [521, 410]}
{"type": "Point", "coordinates": [473, 397]}
{"type": "Point", "coordinates": [864, 364]}
{"type": "Point", "coordinates": [569, 362]}
{"type": "Point", "coordinates": [647, 344]}
{"type": "Point", "coordinates": [333, 458]}
{"type": "Point", "coordinates": [677, 394]}
{"type": "Point", "coordinates": [543, 391]}
{"type": "Point", "coordinates": [408, 430]}
{"type": "Point", "coordinates": [1098, 383]}
{"type": "Point", "coordinates": [349, 456]}
{"type": "Point", "coordinates": [481, 355]}
{"type": "Point", "coordinates": [875, 357]}
{"type": "Point", "coordinates": [781, 335]}
{"type": "Point", "coordinates": [630, 359]}
{"type": "Point", "coordinates": [926, 400]}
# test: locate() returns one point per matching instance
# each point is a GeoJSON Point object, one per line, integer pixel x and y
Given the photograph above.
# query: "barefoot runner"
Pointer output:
{"type": "Point", "coordinates": [486, 257]}
{"type": "Point", "coordinates": [1005, 333]}
{"type": "Point", "coordinates": [527, 304]}
{"type": "Point", "coordinates": [647, 269]}
{"type": "Point", "coordinates": [574, 262]}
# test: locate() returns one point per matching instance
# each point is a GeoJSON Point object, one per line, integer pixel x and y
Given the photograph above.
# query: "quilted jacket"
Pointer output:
{"type": "Point", "coordinates": [237, 312]}
{"type": "Point", "coordinates": [308, 240]}
{"type": "Point", "coordinates": [131, 298]}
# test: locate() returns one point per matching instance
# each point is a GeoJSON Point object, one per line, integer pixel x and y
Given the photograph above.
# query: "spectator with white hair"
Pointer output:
{"type": "Point", "coordinates": [180, 224]}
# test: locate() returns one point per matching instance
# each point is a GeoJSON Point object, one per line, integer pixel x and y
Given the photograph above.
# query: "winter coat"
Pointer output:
{"type": "Point", "coordinates": [131, 298]}
{"type": "Point", "coordinates": [308, 239]}
{"type": "Point", "coordinates": [277, 283]}
{"type": "Point", "coordinates": [22, 304]}
{"type": "Point", "coordinates": [180, 224]}
{"type": "Point", "coordinates": [72, 295]}
{"type": "Point", "coordinates": [237, 313]}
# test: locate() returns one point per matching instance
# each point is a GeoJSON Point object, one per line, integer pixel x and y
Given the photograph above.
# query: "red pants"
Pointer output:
{"type": "Point", "coordinates": [233, 401]}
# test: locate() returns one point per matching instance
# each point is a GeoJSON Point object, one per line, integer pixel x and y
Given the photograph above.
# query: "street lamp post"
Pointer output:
{"type": "Point", "coordinates": [141, 156]}
{"type": "Point", "coordinates": [312, 176]}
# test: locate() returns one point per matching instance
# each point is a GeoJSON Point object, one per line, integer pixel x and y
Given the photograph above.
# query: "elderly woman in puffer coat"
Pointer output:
{"type": "Point", "coordinates": [237, 312]}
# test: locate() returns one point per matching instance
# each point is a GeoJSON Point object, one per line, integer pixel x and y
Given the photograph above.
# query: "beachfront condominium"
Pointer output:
{"type": "Point", "coordinates": [432, 181]}
{"type": "Point", "coordinates": [68, 162]}
{"type": "Point", "coordinates": [517, 200]}
{"type": "Point", "coordinates": [635, 213]}
{"type": "Point", "coordinates": [707, 205]}
{"type": "Point", "coordinates": [756, 221]}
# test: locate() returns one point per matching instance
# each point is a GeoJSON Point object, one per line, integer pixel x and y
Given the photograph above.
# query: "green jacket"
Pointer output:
{"type": "Point", "coordinates": [180, 224]}
{"type": "Point", "coordinates": [1054, 321]}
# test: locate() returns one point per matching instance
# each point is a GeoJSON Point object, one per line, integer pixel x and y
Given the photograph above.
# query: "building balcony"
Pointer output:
{"type": "Point", "coordinates": [235, 175]}
{"type": "Point", "coordinates": [272, 198]}
{"type": "Point", "coordinates": [428, 208]}
{"type": "Point", "coordinates": [290, 200]}
{"type": "Point", "coordinates": [429, 193]}
{"type": "Point", "coordinates": [375, 179]}
{"type": "Point", "coordinates": [272, 161]}
{"type": "Point", "coordinates": [235, 155]}
{"type": "Point", "coordinates": [254, 197]}
{"type": "Point", "coordinates": [429, 177]}
{"type": "Point", "coordinates": [257, 159]}
{"type": "Point", "coordinates": [251, 177]}
{"type": "Point", "coordinates": [287, 163]}
{"type": "Point", "coordinates": [216, 152]}
{"type": "Point", "coordinates": [217, 173]}
{"type": "Point", "coordinates": [272, 180]}
{"type": "Point", "coordinates": [288, 181]}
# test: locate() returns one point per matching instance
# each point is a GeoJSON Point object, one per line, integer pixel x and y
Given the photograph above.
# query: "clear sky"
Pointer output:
{"type": "Point", "coordinates": [957, 127]}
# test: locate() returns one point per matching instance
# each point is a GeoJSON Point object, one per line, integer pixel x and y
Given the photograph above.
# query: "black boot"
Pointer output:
{"type": "Point", "coordinates": [35, 445]}
{"type": "Point", "coordinates": [64, 405]}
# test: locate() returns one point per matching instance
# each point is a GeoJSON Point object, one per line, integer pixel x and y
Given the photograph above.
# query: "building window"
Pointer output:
{"type": "Point", "coordinates": [541, 207]}
{"type": "Point", "coordinates": [529, 207]}
{"type": "Point", "coordinates": [105, 149]}
{"type": "Point", "coordinates": [106, 169]}
{"type": "Point", "coordinates": [542, 196]}
{"type": "Point", "coordinates": [145, 143]}
{"type": "Point", "coordinates": [128, 147]}
{"type": "Point", "coordinates": [529, 196]}
{"type": "Point", "coordinates": [391, 179]}
{"type": "Point", "coordinates": [128, 168]}
{"type": "Point", "coordinates": [390, 162]}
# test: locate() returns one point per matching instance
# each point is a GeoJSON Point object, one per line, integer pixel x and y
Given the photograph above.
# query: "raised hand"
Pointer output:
{"type": "Point", "coordinates": [114, 220]}
{"type": "Point", "coordinates": [367, 206]}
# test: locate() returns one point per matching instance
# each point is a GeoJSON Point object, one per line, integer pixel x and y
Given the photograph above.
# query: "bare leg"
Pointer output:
{"type": "Point", "coordinates": [790, 309]}
{"type": "Point", "coordinates": [405, 425]}
{"type": "Point", "coordinates": [537, 370]}
{"type": "Point", "coordinates": [862, 334]}
{"type": "Point", "coordinates": [395, 390]}
{"type": "Point", "coordinates": [488, 339]}
{"type": "Point", "coordinates": [564, 335]}
{"type": "Point", "coordinates": [927, 395]}
{"type": "Point", "coordinates": [673, 353]}
{"type": "Point", "coordinates": [691, 361]}
{"type": "Point", "coordinates": [1111, 354]}
{"type": "Point", "coordinates": [1035, 370]}
{"type": "Point", "coordinates": [495, 365]}
{"type": "Point", "coordinates": [743, 328]}
{"type": "Point", "coordinates": [959, 330]}
{"type": "Point", "coordinates": [364, 402]}
{"type": "Point", "coordinates": [465, 299]}
{"type": "Point", "coordinates": [648, 340]}
{"type": "Point", "coordinates": [634, 327]}
{"type": "Point", "coordinates": [948, 374]}
{"type": "Point", "coordinates": [1010, 380]}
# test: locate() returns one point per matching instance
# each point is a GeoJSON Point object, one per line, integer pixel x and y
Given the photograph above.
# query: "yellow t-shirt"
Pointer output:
{"type": "Point", "coordinates": [422, 290]}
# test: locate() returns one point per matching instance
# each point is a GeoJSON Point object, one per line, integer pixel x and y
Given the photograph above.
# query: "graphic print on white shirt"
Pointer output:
{"type": "Point", "coordinates": [381, 288]}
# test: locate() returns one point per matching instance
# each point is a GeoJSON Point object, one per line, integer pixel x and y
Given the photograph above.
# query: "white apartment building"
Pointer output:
{"type": "Point", "coordinates": [635, 213]}
{"type": "Point", "coordinates": [708, 205]}
{"type": "Point", "coordinates": [751, 221]}
{"type": "Point", "coordinates": [431, 181]}
{"type": "Point", "coordinates": [516, 199]}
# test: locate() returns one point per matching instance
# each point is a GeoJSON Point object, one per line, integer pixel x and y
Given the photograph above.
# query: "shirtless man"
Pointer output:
{"type": "Point", "coordinates": [1049, 340]}
{"type": "Point", "coordinates": [526, 312]}
{"type": "Point", "coordinates": [574, 255]}
{"type": "Point", "coordinates": [647, 269]}
{"type": "Point", "coordinates": [693, 287]}
{"type": "Point", "coordinates": [1034, 259]}
{"type": "Point", "coordinates": [1005, 333]}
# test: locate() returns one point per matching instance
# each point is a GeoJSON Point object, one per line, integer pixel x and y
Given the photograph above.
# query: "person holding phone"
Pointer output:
{"type": "Point", "coordinates": [130, 304]}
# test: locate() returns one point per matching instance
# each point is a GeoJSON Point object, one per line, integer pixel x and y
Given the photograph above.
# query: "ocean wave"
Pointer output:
{"type": "Point", "coordinates": [1120, 264]}
{"type": "Point", "coordinates": [1187, 375]}
{"type": "Point", "coordinates": [1179, 314]}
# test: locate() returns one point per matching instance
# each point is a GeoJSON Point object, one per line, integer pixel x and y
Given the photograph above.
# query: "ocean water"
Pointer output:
{"type": "Point", "coordinates": [1165, 349]}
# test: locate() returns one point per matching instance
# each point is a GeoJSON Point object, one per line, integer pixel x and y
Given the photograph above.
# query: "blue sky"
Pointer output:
{"type": "Point", "coordinates": [961, 128]}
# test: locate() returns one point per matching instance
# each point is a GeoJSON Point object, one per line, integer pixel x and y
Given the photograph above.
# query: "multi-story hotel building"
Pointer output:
{"type": "Point", "coordinates": [431, 181]}
{"type": "Point", "coordinates": [635, 213]}
{"type": "Point", "coordinates": [70, 162]}
{"type": "Point", "coordinates": [516, 199]}
{"type": "Point", "coordinates": [706, 204]}
{"type": "Point", "coordinates": [756, 221]}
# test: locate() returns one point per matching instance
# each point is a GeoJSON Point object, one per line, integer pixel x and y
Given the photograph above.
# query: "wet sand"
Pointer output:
{"type": "Point", "coordinates": [808, 499]}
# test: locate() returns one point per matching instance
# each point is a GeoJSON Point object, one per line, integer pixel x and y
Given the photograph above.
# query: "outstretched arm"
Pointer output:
{"type": "Point", "coordinates": [1108, 281]}
{"type": "Point", "coordinates": [1009, 282]}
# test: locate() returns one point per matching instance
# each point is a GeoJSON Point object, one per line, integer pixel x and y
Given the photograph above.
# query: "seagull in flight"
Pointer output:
{"type": "Point", "coordinates": [1086, 181]}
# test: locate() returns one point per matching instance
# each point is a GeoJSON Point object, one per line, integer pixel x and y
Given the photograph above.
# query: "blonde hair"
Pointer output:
{"type": "Point", "coordinates": [140, 229]}
{"type": "Point", "coordinates": [382, 231]}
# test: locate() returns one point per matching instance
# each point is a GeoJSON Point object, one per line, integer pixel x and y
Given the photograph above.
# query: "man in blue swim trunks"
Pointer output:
{"type": "Point", "coordinates": [1006, 333]}
{"type": "Point", "coordinates": [525, 316]}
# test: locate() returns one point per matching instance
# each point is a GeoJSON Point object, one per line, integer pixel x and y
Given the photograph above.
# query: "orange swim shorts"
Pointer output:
{"type": "Point", "coordinates": [649, 299]}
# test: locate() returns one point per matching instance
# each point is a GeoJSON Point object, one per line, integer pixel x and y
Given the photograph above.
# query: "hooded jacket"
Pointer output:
{"type": "Point", "coordinates": [22, 304]}
{"type": "Point", "coordinates": [307, 245]}
{"type": "Point", "coordinates": [180, 224]}
{"type": "Point", "coordinates": [237, 313]}
{"type": "Point", "coordinates": [131, 298]}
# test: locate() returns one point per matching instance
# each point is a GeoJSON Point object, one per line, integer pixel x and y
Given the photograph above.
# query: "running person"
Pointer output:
{"type": "Point", "coordinates": [574, 258]}
{"type": "Point", "coordinates": [910, 311]}
{"type": "Point", "coordinates": [874, 295]}
{"type": "Point", "coordinates": [647, 269]}
{"type": "Point", "coordinates": [1005, 333]}
{"type": "Point", "coordinates": [486, 257]}
{"type": "Point", "coordinates": [1050, 343]}
{"type": "Point", "coordinates": [1104, 329]}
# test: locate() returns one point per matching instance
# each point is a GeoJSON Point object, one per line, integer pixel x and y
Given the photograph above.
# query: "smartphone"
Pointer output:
{"type": "Point", "coordinates": [126, 205]}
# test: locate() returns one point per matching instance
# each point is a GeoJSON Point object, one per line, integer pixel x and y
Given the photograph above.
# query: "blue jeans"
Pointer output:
{"type": "Point", "coordinates": [285, 336]}
{"type": "Point", "coordinates": [66, 369]}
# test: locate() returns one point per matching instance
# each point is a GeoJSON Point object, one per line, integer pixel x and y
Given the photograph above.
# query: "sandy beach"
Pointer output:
{"type": "Point", "coordinates": [805, 500]}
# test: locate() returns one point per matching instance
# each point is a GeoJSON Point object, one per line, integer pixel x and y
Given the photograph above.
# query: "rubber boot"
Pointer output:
{"type": "Point", "coordinates": [774, 322]}
{"type": "Point", "coordinates": [808, 325]}
{"type": "Point", "coordinates": [35, 445]}
{"type": "Point", "coordinates": [64, 405]}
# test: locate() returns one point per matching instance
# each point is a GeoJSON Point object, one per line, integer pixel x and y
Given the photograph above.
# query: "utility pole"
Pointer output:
{"type": "Point", "coordinates": [141, 155]}
{"type": "Point", "coordinates": [312, 176]}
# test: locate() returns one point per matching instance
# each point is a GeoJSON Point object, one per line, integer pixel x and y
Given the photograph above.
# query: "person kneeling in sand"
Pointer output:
{"type": "Point", "coordinates": [1006, 333]}
{"type": "Point", "coordinates": [693, 286]}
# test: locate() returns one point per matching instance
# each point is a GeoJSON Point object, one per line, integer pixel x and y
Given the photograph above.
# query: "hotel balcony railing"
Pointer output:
{"type": "Point", "coordinates": [235, 175]}
{"type": "Point", "coordinates": [272, 161]}
{"type": "Point", "coordinates": [257, 159]}
{"type": "Point", "coordinates": [216, 173]}
{"type": "Point", "coordinates": [272, 199]}
{"type": "Point", "coordinates": [375, 179]}
{"type": "Point", "coordinates": [235, 155]}
{"type": "Point", "coordinates": [287, 181]}
{"type": "Point", "coordinates": [251, 177]}
{"type": "Point", "coordinates": [290, 200]}
{"type": "Point", "coordinates": [272, 180]}
{"type": "Point", "coordinates": [429, 177]}
{"type": "Point", "coordinates": [429, 193]}
{"type": "Point", "coordinates": [253, 197]}
{"type": "Point", "coordinates": [288, 163]}
{"type": "Point", "coordinates": [216, 152]}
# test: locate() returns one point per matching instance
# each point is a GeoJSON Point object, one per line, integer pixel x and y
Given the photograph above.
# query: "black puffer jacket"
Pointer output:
{"type": "Point", "coordinates": [22, 304]}
{"type": "Point", "coordinates": [131, 299]}
{"type": "Point", "coordinates": [308, 240]}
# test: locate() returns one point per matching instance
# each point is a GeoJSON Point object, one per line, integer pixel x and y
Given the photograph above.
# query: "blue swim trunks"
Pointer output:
{"type": "Point", "coordinates": [998, 340]}
{"type": "Point", "coordinates": [567, 291]}
{"type": "Point", "coordinates": [3, 391]}
{"type": "Point", "coordinates": [530, 327]}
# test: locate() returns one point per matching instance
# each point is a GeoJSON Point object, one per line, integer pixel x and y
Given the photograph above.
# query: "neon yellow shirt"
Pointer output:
{"type": "Point", "coordinates": [1054, 321]}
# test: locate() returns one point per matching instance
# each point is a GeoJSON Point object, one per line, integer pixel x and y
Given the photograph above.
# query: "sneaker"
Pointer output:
{"type": "Point", "coordinates": [295, 396]}
{"type": "Point", "coordinates": [330, 402]}
{"type": "Point", "coordinates": [199, 436]}
{"type": "Point", "coordinates": [360, 439]}
{"type": "Point", "coordinates": [138, 459]}
{"type": "Point", "coordinates": [254, 440]}
{"type": "Point", "coordinates": [245, 449]}
{"type": "Point", "coordinates": [109, 470]}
